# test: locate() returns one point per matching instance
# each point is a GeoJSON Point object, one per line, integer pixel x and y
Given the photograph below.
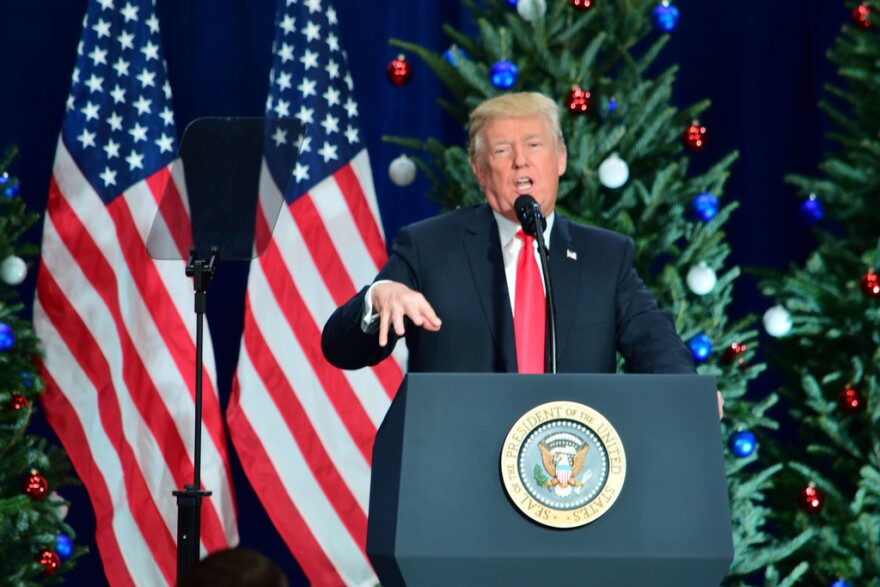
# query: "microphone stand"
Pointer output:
{"type": "Point", "coordinates": [528, 211]}
{"type": "Point", "coordinates": [550, 357]}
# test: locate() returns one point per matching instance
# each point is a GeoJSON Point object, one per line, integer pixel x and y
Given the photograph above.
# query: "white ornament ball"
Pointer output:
{"type": "Point", "coordinates": [701, 279]}
{"type": "Point", "coordinates": [531, 10]}
{"type": "Point", "coordinates": [777, 321]}
{"type": "Point", "coordinates": [613, 172]}
{"type": "Point", "coordinates": [402, 171]}
{"type": "Point", "coordinates": [60, 507]}
{"type": "Point", "coordinates": [13, 270]}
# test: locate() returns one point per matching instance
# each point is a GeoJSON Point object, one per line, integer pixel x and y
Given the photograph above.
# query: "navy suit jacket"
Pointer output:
{"type": "Point", "coordinates": [455, 261]}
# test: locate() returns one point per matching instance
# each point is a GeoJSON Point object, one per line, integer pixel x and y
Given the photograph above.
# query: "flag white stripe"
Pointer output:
{"type": "Point", "coordinates": [127, 533]}
{"type": "Point", "coordinates": [360, 164]}
{"type": "Point", "coordinates": [149, 344]}
{"type": "Point", "coordinates": [295, 367]}
{"type": "Point", "coordinates": [319, 303]}
{"type": "Point", "coordinates": [102, 327]}
{"type": "Point", "coordinates": [299, 482]}
{"type": "Point", "coordinates": [120, 320]}
{"type": "Point", "coordinates": [336, 217]}
{"type": "Point", "coordinates": [324, 270]}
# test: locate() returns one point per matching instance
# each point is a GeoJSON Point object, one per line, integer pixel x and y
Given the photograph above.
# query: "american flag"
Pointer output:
{"type": "Point", "coordinates": [118, 328]}
{"type": "Point", "coordinates": [304, 430]}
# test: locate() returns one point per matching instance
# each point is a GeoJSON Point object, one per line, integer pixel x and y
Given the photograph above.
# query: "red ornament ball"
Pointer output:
{"type": "Point", "coordinates": [871, 285]}
{"type": "Point", "coordinates": [399, 71]}
{"type": "Point", "coordinates": [850, 400]}
{"type": "Point", "coordinates": [811, 499]}
{"type": "Point", "coordinates": [860, 16]}
{"type": "Point", "coordinates": [581, 5]}
{"type": "Point", "coordinates": [579, 101]}
{"type": "Point", "coordinates": [18, 402]}
{"type": "Point", "coordinates": [694, 136]}
{"type": "Point", "coordinates": [734, 353]}
{"type": "Point", "coordinates": [51, 562]}
{"type": "Point", "coordinates": [36, 486]}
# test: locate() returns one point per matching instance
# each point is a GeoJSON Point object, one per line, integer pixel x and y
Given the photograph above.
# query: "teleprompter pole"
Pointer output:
{"type": "Point", "coordinates": [189, 500]}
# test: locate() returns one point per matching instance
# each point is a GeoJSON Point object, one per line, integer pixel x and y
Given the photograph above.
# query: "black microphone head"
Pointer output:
{"type": "Point", "coordinates": [528, 212]}
{"type": "Point", "coordinates": [523, 206]}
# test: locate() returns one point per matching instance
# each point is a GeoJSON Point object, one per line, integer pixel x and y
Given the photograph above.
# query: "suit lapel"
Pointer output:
{"type": "Point", "coordinates": [483, 246]}
{"type": "Point", "coordinates": [565, 272]}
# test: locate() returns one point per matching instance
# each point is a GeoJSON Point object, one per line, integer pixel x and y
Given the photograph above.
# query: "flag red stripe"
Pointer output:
{"type": "Point", "coordinates": [58, 413]}
{"type": "Point", "coordinates": [174, 331]}
{"type": "Point", "coordinates": [361, 213]}
{"type": "Point", "coordinates": [334, 275]}
{"type": "Point", "coordinates": [144, 394]}
{"type": "Point", "coordinates": [173, 211]}
{"type": "Point", "coordinates": [284, 514]}
{"type": "Point", "coordinates": [340, 394]}
{"type": "Point", "coordinates": [123, 332]}
{"type": "Point", "coordinates": [323, 253]}
{"type": "Point", "coordinates": [298, 423]}
{"type": "Point", "coordinates": [88, 354]}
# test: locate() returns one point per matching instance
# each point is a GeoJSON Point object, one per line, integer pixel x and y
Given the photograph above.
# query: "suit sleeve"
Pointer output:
{"type": "Point", "coordinates": [646, 337]}
{"type": "Point", "coordinates": [344, 344]}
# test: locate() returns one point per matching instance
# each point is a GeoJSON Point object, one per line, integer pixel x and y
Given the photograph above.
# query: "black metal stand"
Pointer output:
{"type": "Point", "coordinates": [550, 358]}
{"type": "Point", "coordinates": [189, 501]}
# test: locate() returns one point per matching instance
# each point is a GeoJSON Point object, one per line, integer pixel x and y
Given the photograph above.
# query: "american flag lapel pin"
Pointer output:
{"type": "Point", "coordinates": [571, 254]}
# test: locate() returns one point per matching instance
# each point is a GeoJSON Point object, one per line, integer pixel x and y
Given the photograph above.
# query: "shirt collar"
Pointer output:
{"type": "Point", "coordinates": [507, 228]}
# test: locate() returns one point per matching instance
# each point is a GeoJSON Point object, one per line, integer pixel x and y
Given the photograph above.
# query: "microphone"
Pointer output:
{"type": "Point", "coordinates": [533, 223]}
{"type": "Point", "coordinates": [528, 212]}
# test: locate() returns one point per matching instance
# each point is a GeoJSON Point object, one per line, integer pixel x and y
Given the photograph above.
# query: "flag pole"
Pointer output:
{"type": "Point", "coordinates": [189, 500]}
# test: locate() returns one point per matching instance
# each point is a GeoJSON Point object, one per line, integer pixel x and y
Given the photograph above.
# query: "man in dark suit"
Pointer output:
{"type": "Point", "coordinates": [461, 267]}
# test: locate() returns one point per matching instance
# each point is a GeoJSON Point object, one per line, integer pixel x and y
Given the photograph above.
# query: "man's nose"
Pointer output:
{"type": "Point", "coordinates": [519, 157]}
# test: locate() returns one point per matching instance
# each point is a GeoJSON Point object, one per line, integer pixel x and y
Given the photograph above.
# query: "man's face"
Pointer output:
{"type": "Point", "coordinates": [519, 156]}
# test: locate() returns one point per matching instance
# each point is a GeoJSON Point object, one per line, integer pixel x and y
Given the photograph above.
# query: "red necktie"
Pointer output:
{"type": "Point", "coordinates": [530, 314]}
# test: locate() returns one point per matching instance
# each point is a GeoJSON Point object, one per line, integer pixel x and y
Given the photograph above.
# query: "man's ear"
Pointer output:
{"type": "Point", "coordinates": [477, 173]}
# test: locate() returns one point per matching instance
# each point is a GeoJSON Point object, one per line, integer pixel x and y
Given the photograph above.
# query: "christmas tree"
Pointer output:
{"type": "Point", "coordinates": [827, 319]}
{"type": "Point", "coordinates": [36, 546]}
{"type": "Point", "coordinates": [629, 151]}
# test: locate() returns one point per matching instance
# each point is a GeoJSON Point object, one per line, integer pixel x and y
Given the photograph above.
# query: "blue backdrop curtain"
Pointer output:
{"type": "Point", "coordinates": [762, 66]}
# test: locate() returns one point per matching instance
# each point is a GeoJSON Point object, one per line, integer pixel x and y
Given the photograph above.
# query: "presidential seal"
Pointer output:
{"type": "Point", "coordinates": [563, 464]}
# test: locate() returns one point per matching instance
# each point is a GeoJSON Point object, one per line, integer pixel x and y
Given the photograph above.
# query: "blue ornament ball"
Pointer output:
{"type": "Point", "coordinates": [743, 443]}
{"type": "Point", "coordinates": [512, 3]}
{"type": "Point", "coordinates": [704, 207]}
{"type": "Point", "coordinates": [7, 337]}
{"type": "Point", "coordinates": [503, 75]}
{"type": "Point", "coordinates": [665, 17]}
{"type": "Point", "coordinates": [811, 211]}
{"type": "Point", "coordinates": [453, 54]}
{"type": "Point", "coordinates": [701, 347]}
{"type": "Point", "coordinates": [4, 178]}
{"type": "Point", "coordinates": [12, 190]}
{"type": "Point", "coordinates": [63, 546]}
{"type": "Point", "coordinates": [841, 583]}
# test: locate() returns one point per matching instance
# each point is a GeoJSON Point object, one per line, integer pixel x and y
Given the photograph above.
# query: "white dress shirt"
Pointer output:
{"type": "Point", "coordinates": [510, 247]}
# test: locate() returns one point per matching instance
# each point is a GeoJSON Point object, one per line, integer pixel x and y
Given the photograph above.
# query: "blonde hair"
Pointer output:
{"type": "Point", "coordinates": [515, 105]}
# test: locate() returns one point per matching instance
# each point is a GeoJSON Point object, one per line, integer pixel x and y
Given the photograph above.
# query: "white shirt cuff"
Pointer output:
{"type": "Point", "coordinates": [370, 321]}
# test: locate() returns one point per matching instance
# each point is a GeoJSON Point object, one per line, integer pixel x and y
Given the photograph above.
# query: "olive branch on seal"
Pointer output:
{"type": "Point", "coordinates": [540, 477]}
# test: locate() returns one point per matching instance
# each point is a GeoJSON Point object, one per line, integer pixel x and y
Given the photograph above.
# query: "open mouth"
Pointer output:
{"type": "Point", "coordinates": [523, 185]}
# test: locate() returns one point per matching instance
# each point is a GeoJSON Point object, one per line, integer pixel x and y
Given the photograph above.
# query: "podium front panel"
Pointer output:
{"type": "Point", "coordinates": [439, 513]}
